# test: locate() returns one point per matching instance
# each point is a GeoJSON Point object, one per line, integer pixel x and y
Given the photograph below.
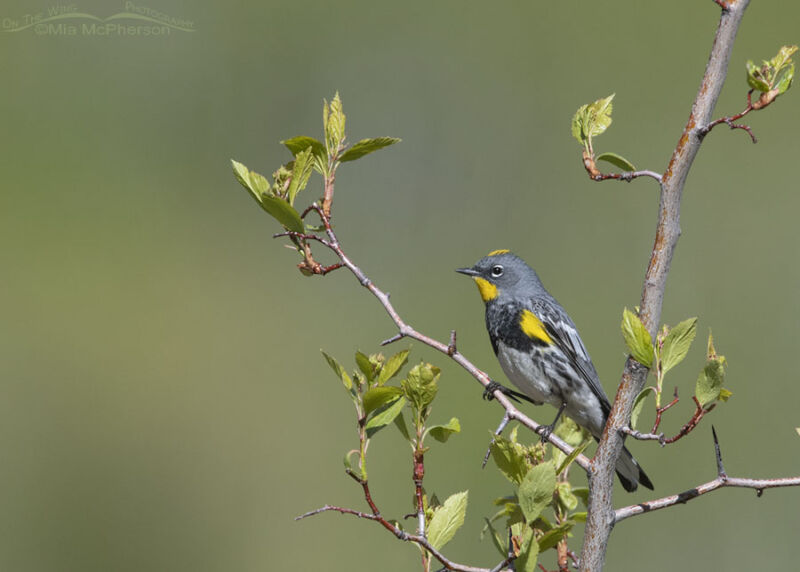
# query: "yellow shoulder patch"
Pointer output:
{"type": "Point", "coordinates": [533, 327]}
{"type": "Point", "coordinates": [496, 252]}
{"type": "Point", "coordinates": [487, 289]}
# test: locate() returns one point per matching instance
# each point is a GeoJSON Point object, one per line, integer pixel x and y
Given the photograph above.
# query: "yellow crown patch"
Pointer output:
{"type": "Point", "coordinates": [496, 252]}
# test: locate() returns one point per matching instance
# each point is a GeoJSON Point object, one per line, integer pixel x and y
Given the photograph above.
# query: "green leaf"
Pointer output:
{"type": "Point", "coordinates": [348, 464]}
{"type": "Point", "coordinates": [553, 536]}
{"type": "Point", "coordinates": [676, 344]}
{"type": "Point", "coordinates": [392, 366]}
{"type": "Point", "coordinates": [709, 383]}
{"type": "Point", "coordinates": [367, 146]}
{"type": "Point", "coordinates": [420, 386]}
{"type": "Point", "coordinates": [496, 540]}
{"type": "Point", "coordinates": [755, 78]}
{"type": "Point", "coordinates": [339, 371]}
{"type": "Point", "coordinates": [797, 429]}
{"type": "Point", "coordinates": [528, 549]}
{"type": "Point", "coordinates": [384, 415]}
{"type": "Point", "coordinates": [578, 516]}
{"type": "Point", "coordinates": [536, 490]}
{"type": "Point", "coordinates": [725, 394]}
{"type": "Point", "coordinates": [283, 212]}
{"type": "Point", "coordinates": [447, 519]}
{"type": "Point", "coordinates": [366, 366]}
{"type": "Point", "coordinates": [380, 396]}
{"type": "Point", "coordinates": [598, 116]}
{"type": "Point", "coordinates": [565, 497]}
{"type": "Point", "coordinates": [301, 171]}
{"type": "Point", "coordinates": [301, 143]}
{"type": "Point", "coordinates": [638, 403]}
{"type": "Point", "coordinates": [510, 458]}
{"type": "Point", "coordinates": [400, 422]}
{"type": "Point", "coordinates": [637, 338]}
{"type": "Point", "coordinates": [783, 58]}
{"type": "Point", "coordinates": [785, 82]}
{"type": "Point", "coordinates": [442, 432]}
{"type": "Point", "coordinates": [577, 124]}
{"type": "Point", "coordinates": [334, 121]}
{"type": "Point", "coordinates": [572, 456]}
{"type": "Point", "coordinates": [242, 174]}
{"type": "Point", "coordinates": [617, 161]}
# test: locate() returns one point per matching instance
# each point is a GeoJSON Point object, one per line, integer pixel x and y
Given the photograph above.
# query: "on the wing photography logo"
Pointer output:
{"type": "Point", "coordinates": [135, 20]}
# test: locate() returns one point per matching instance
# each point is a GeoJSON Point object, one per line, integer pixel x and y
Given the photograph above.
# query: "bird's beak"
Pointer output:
{"type": "Point", "coordinates": [468, 271]}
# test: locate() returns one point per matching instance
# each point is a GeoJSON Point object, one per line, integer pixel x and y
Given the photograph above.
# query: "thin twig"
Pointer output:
{"type": "Point", "coordinates": [730, 121]}
{"type": "Point", "coordinates": [722, 481]}
{"type": "Point", "coordinates": [626, 176]}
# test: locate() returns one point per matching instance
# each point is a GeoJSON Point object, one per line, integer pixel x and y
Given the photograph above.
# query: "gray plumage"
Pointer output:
{"type": "Point", "coordinates": [546, 359]}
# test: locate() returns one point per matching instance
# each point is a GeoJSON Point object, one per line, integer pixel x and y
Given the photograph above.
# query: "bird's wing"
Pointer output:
{"type": "Point", "coordinates": [566, 338]}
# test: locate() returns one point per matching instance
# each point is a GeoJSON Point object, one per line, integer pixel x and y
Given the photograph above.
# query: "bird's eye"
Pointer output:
{"type": "Point", "coordinates": [497, 271]}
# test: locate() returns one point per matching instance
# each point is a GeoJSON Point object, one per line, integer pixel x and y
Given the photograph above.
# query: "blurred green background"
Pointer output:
{"type": "Point", "coordinates": [164, 404]}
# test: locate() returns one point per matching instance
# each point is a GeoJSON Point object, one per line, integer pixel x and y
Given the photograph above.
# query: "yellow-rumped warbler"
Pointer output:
{"type": "Point", "coordinates": [541, 352]}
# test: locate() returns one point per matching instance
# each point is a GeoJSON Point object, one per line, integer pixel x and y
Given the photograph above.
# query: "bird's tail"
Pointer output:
{"type": "Point", "coordinates": [630, 473]}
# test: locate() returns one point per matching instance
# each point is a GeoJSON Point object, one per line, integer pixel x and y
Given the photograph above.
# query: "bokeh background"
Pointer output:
{"type": "Point", "coordinates": [164, 404]}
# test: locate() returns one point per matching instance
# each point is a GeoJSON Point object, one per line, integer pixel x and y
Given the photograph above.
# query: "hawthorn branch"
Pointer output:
{"type": "Point", "coordinates": [601, 515]}
{"type": "Point", "coordinates": [722, 481]}
{"type": "Point", "coordinates": [448, 349]}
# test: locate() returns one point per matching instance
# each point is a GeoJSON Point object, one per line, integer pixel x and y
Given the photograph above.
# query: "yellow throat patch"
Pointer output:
{"type": "Point", "coordinates": [533, 327]}
{"type": "Point", "coordinates": [487, 289]}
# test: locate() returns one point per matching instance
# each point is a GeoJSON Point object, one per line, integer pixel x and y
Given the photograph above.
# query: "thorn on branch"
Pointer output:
{"type": "Point", "coordinates": [394, 338]}
{"type": "Point", "coordinates": [720, 468]}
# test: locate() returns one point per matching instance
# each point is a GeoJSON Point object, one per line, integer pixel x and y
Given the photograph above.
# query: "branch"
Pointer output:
{"type": "Point", "coordinates": [722, 481]}
{"type": "Point", "coordinates": [601, 515]}
{"type": "Point", "coordinates": [448, 349]}
{"type": "Point", "coordinates": [448, 564]}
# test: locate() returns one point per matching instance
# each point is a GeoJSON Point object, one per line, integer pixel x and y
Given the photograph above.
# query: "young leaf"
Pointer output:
{"type": "Point", "coordinates": [420, 386]}
{"type": "Point", "coordinates": [366, 367]}
{"type": "Point", "coordinates": [334, 121]}
{"type": "Point", "coordinates": [565, 497]}
{"type": "Point", "coordinates": [638, 403]}
{"type": "Point", "coordinates": [339, 371]}
{"type": "Point", "coordinates": [380, 396]}
{"type": "Point", "coordinates": [709, 383]}
{"type": "Point", "coordinates": [301, 143]}
{"type": "Point", "coordinates": [496, 540]}
{"type": "Point", "coordinates": [283, 212]}
{"type": "Point", "coordinates": [572, 456]}
{"type": "Point", "coordinates": [301, 171]}
{"type": "Point", "coordinates": [617, 161]}
{"type": "Point", "coordinates": [510, 458]}
{"type": "Point", "coordinates": [385, 415]}
{"type": "Point", "coordinates": [367, 146]}
{"type": "Point", "coordinates": [676, 344]}
{"type": "Point", "coordinates": [637, 338]}
{"type": "Point", "coordinates": [553, 536]}
{"type": "Point", "coordinates": [536, 490]}
{"type": "Point", "coordinates": [442, 432]}
{"type": "Point", "coordinates": [400, 422]}
{"type": "Point", "coordinates": [392, 366]}
{"type": "Point", "coordinates": [447, 519]}
{"type": "Point", "coordinates": [528, 549]}
{"type": "Point", "coordinates": [592, 120]}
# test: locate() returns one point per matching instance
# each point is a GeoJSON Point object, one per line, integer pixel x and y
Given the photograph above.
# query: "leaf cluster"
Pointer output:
{"type": "Point", "coordinates": [670, 348]}
{"type": "Point", "coordinates": [775, 74]}
{"type": "Point", "coordinates": [541, 484]}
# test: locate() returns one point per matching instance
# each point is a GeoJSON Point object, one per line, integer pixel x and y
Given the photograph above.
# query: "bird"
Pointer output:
{"type": "Point", "coordinates": [541, 352]}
